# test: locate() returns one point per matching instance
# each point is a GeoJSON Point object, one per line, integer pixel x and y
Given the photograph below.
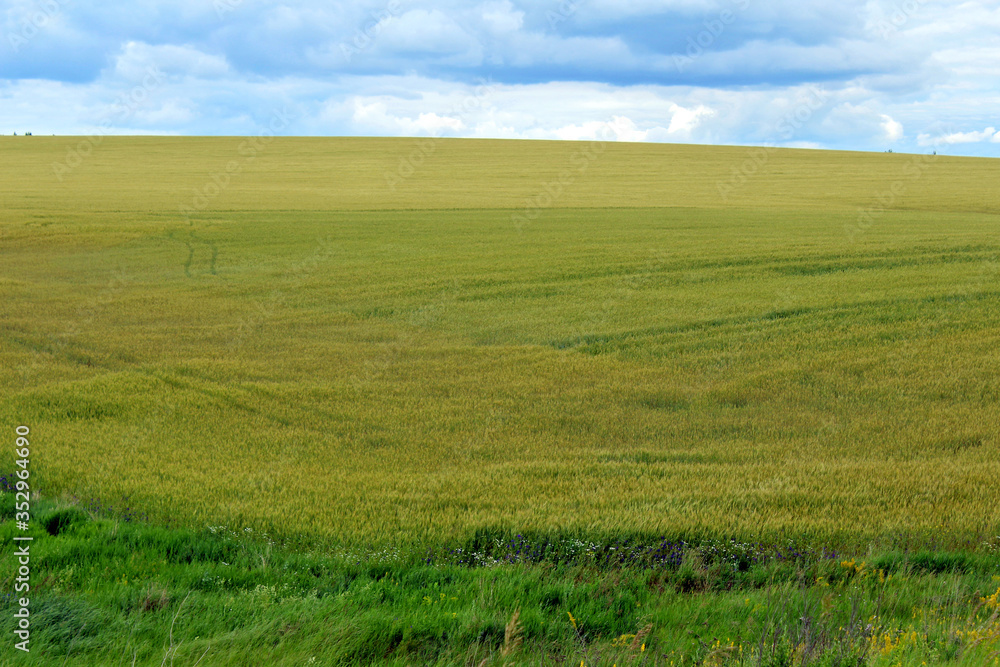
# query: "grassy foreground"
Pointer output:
{"type": "Point", "coordinates": [121, 592]}
{"type": "Point", "coordinates": [388, 346]}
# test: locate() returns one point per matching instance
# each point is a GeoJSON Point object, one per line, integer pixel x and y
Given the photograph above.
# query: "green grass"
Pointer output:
{"type": "Point", "coordinates": [125, 592]}
{"type": "Point", "coordinates": [342, 359]}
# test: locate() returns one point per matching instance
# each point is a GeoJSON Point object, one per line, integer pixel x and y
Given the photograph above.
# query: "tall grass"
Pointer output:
{"type": "Point", "coordinates": [112, 591]}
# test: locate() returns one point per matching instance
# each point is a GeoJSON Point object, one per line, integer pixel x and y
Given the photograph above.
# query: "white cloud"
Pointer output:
{"type": "Point", "coordinates": [502, 17]}
{"type": "Point", "coordinates": [856, 121]}
{"type": "Point", "coordinates": [376, 115]}
{"type": "Point", "coordinates": [619, 128]}
{"type": "Point", "coordinates": [683, 120]}
{"type": "Point", "coordinates": [137, 59]}
{"type": "Point", "coordinates": [171, 113]}
{"type": "Point", "coordinates": [625, 129]}
{"type": "Point", "coordinates": [590, 131]}
{"type": "Point", "coordinates": [989, 134]}
{"type": "Point", "coordinates": [893, 129]}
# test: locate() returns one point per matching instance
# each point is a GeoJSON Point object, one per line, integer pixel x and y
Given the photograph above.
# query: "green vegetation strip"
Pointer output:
{"type": "Point", "coordinates": [120, 591]}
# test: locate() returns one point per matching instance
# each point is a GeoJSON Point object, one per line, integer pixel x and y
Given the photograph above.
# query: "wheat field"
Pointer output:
{"type": "Point", "coordinates": [376, 341]}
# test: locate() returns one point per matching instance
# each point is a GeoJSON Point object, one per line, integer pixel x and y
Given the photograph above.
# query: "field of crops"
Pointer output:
{"type": "Point", "coordinates": [372, 341]}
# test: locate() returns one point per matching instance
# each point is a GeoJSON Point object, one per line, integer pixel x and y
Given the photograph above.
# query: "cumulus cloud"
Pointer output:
{"type": "Point", "coordinates": [685, 120]}
{"type": "Point", "coordinates": [989, 134]}
{"type": "Point", "coordinates": [893, 129]}
{"type": "Point", "coordinates": [911, 75]}
{"type": "Point", "coordinates": [376, 116]}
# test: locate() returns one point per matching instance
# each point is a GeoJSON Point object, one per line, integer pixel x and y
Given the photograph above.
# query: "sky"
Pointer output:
{"type": "Point", "coordinates": [903, 75]}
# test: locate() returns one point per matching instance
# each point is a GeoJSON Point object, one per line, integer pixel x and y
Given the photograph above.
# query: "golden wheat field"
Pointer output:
{"type": "Point", "coordinates": [383, 340]}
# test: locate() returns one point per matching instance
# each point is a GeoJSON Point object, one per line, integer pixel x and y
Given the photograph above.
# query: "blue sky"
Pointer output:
{"type": "Point", "coordinates": [906, 75]}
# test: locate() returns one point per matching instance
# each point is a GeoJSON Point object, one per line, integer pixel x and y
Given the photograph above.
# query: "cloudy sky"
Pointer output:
{"type": "Point", "coordinates": [906, 75]}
